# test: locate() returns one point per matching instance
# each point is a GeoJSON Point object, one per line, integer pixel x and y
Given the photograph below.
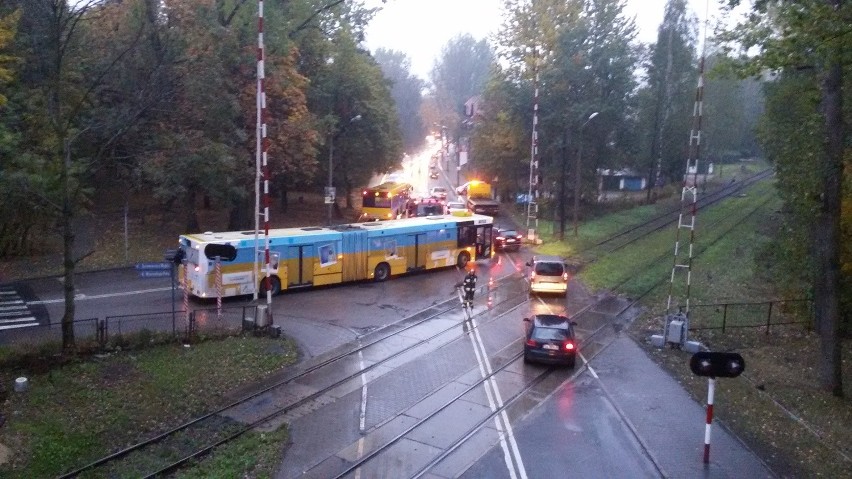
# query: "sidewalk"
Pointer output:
{"type": "Point", "coordinates": [667, 421]}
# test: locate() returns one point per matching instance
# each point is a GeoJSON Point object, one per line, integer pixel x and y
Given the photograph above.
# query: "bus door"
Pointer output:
{"type": "Point", "coordinates": [483, 241]}
{"type": "Point", "coordinates": [417, 260]}
{"type": "Point", "coordinates": [300, 265]}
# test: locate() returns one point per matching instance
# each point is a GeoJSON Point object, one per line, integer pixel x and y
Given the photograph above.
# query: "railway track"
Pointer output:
{"type": "Point", "coordinates": [635, 233]}
{"type": "Point", "coordinates": [201, 425]}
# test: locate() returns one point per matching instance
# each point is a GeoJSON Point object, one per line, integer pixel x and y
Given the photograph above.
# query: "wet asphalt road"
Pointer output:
{"type": "Point", "coordinates": [449, 396]}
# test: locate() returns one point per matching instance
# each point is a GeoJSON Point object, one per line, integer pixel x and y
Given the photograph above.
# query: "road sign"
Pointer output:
{"type": "Point", "coordinates": [154, 273]}
{"type": "Point", "coordinates": [330, 194]}
{"type": "Point", "coordinates": [161, 265]}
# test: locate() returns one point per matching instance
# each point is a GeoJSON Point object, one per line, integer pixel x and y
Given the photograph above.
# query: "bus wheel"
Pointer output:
{"type": "Point", "coordinates": [276, 285]}
{"type": "Point", "coordinates": [382, 272]}
{"type": "Point", "coordinates": [463, 259]}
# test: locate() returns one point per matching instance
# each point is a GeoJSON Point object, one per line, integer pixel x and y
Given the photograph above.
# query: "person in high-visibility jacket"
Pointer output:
{"type": "Point", "coordinates": [469, 287]}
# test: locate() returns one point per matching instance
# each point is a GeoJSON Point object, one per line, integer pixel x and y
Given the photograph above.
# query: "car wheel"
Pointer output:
{"type": "Point", "coordinates": [463, 259]}
{"type": "Point", "coordinates": [382, 272]}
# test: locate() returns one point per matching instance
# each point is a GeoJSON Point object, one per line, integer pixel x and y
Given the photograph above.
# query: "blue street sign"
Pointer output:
{"type": "Point", "coordinates": [155, 273]}
{"type": "Point", "coordinates": [162, 265]}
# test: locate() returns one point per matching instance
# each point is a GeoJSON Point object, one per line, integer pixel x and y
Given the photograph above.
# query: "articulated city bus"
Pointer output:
{"type": "Point", "coordinates": [315, 256]}
{"type": "Point", "coordinates": [384, 202]}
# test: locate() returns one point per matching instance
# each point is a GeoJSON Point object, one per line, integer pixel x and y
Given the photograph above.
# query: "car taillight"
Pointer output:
{"type": "Point", "coordinates": [569, 346]}
{"type": "Point", "coordinates": [500, 238]}
{"type": "Point", "coordinates": [532, 342]}
{"type": "Point", "coordinates": [564, 276]}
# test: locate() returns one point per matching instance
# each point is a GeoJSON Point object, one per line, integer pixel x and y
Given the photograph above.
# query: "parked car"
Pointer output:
{"type": "Point", "coordinates": [550, 339]}
{"type": "Point", "coordinates": [548, 274]}
{"type": "Point", "coordinates": [438, 192]}
{"type": "Point", "coordinates": [433, 173]}
{"type": "Point", "coordinates": [507, 240]}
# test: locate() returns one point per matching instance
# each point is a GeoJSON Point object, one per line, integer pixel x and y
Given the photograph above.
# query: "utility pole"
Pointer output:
{"type": "Point", "coordinates": [577, 170]}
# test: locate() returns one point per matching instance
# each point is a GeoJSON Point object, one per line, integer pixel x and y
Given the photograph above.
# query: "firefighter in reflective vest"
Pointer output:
{"type": "Point", "coordinates": [469, 286]}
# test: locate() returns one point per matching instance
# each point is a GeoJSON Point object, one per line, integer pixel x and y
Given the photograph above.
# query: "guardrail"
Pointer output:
{"type": "Point", "coordinates": [751, 314]}
{"type": "Point", "coordinates": [102, 334]}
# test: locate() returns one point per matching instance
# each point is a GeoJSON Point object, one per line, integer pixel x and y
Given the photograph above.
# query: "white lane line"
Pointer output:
{"type": "Point", "coordinates": [505, 417]}
{"type": "Point", "coordinates": [363, 417]}
{"type": "Point", "coordinates": [107, 295]}
{"type": "Point", "coordinates": [362, 420]}
{"type": "Point", "coordinates": [507, 456]}
{"type": "Point", "coordinates": [16, 326]}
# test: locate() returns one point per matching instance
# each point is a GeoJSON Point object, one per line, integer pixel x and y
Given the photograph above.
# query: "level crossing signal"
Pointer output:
{"type": "Point", "coordinates": [717, 365]}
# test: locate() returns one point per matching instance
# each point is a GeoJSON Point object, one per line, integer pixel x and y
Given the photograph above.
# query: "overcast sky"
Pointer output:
{"type": "Point", "coordinates": [421, 28]}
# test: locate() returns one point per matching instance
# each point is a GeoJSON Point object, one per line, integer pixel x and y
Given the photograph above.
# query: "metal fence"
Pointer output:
{"type": "Point", "coordinates": [764, 314]}
{"type": "Point", "coordinates": [98, 334]}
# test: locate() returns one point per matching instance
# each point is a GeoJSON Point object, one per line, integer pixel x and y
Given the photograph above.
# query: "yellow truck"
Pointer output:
{"type": "Point", "coordinates": [479, 198]}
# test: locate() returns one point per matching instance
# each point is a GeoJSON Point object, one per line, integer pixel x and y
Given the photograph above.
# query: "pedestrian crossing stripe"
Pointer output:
{"type": "Point", "coordinates": [14, 311]}
{"type": "Point", "coordinates": [17, 326]}
{"type": "Point", "coordinates": [17, 320]}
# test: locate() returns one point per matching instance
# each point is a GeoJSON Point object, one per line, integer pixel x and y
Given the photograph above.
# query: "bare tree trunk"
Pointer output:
{"type": "Point", "coordinates": [68, 263]}
{"type": "Point", "coordinates": [827, 235]}
{"type": "Point", "coordinates": [191, 214]}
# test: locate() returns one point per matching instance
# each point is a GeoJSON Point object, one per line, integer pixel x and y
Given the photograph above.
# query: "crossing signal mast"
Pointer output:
{"type": "Point", "coordinates": [532, 197]}
{"type": "Point", "coordinates": [677, 323]}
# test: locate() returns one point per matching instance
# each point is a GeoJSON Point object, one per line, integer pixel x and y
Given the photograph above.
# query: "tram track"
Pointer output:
{"type": "Point", "coordinates": [635, 233]}
{"type": "Point", "coordinates": [198, 422]}
{"type": "Point", "coordinates": [504, 406]}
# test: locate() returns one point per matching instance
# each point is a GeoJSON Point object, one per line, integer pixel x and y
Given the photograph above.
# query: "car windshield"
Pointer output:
{"type": "Point", "coordinates": [550, 334]}
{"type": "Point", "coordinates": [549, 269]}
{"type": "Point", "coordinates": [439, 189]}
{"type": "Point", "coordinates": [508, 233]}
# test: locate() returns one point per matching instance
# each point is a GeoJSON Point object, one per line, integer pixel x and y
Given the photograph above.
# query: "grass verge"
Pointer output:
{"type": "Point", "coordinates": [776, 406]}
{"type": "Point", "coordinates": [76, 413]}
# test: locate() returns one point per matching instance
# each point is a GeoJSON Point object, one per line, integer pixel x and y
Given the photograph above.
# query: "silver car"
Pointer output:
{"type": "Point", "coordinates": [548, 274]}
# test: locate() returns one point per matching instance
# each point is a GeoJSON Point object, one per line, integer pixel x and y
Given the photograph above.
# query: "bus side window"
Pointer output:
{"type": "Point", "coordinates": [467, 236]}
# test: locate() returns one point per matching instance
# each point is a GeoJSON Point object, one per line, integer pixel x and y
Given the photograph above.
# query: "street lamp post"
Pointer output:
{"type": "Point", "coordinates": [331, 139]}
{"type": "Point", "coordinates": [577, 170]}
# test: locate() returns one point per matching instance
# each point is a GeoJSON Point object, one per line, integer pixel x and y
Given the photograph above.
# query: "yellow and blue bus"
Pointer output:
{"type": "Point", "coordinates": [316, 256]}
{"type": "Point", "coordinates": [386, 201]}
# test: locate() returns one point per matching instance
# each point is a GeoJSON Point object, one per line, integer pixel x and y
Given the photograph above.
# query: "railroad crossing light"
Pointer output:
{"type": "Point", "coordinates": [224, 251]}
{"type": "Point", "coordinates": [717, 365]}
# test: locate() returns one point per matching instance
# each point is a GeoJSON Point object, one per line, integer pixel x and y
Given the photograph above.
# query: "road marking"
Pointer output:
{"type": "Point", "coordinates": [362, 420]}
{"type": "Point", "coordinates": [18, 320]}
{"type": "Point", "coordinates": [503, 445]}
{"type": "Point", "coordinates": [512, 442]}
{"type": "Point", "coordinates": [16, 326]}
{"type": "Point", "coordinates": [100, 296]}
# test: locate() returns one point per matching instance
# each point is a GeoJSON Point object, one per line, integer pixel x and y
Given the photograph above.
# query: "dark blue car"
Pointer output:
{"type": "Point", "coordinates": [550, 339]}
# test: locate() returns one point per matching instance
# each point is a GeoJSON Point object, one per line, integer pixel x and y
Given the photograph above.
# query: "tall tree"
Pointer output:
{"type": "Point", "coordinates": [406, 90]}
{"type": "Point", "coordinates": [459, 73]}
{"type": "Point", "coordinates": [62, 83]}
{"type": "Point", "coordinates": [8, 24]}
{"type": "Point", "coordinates": [800, 36]}
{"type": "Point", "coordinates": [591, 72]}
{"type": "Point", "coordinates": [672, 73]}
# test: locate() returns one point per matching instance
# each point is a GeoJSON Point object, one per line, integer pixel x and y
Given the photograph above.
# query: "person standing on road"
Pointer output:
{"type": "Point", "coordinates": [469, 286]}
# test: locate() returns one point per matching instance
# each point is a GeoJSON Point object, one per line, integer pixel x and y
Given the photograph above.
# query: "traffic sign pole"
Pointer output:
{"type": "Point", "coordinates": [711, 388]}
{"type": "Point", "coordinates": [218, 288]}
